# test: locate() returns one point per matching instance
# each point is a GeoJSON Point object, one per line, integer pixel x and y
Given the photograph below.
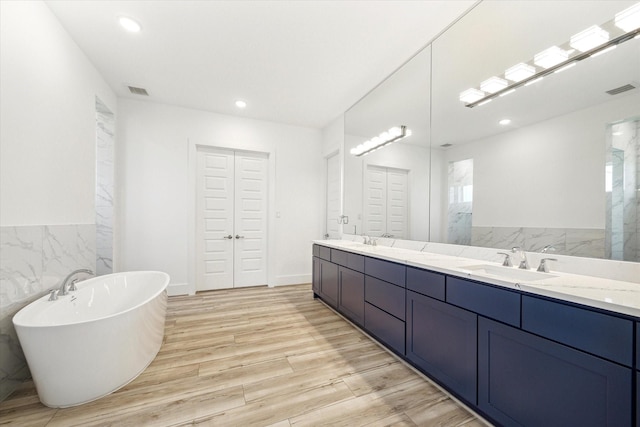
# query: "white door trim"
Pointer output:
{"type": "Point", "coordinates": [270, 151]}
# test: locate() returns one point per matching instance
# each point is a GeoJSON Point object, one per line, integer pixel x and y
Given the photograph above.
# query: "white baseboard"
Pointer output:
{"type": "Point", "coordinates": [294, 279]}
{"type": "Point", "coordinates": [175, 289]}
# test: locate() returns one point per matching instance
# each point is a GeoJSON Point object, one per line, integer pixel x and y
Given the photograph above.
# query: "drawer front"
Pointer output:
{"type": "Point", "coordinates": [498, 304]}
{"type": "Point", "coordinates": [385, 327]}
{"type": "Point", "coordinates": [355, 262]}
{"type": "Point", "coordinates": [385, 270]}
{"type": "Point", "coordinates": [316, 250]}
{"type": "Point", "coordinates": [339, 257]}
{"type": "Point", "coordinates": [597, 333]}
{"type": "Point", "coordinates": [324, 253]}
{"type": "Point", "coordinates": [638, 351]}
{"type": "Point", "coordinates": [351, 301]}
{"type": "Point", "coordinates": [390, 298]}
{"type": "Point", "coordinates": [638, 399]}
{"type": "Point", "coordinates": [426, 283]}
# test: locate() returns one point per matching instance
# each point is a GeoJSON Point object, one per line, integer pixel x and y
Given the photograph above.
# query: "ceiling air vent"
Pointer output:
{"type": "Point", "coordinates": [621, 89]}
{"type": "Point", "coordinates": [138, 91]}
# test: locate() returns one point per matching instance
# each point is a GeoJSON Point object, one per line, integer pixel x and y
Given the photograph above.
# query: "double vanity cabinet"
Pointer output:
{"type": "Point", "coordinates": [517, 358]}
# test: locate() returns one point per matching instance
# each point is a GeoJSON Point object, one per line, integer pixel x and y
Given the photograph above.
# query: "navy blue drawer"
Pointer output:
{"type": "Point", "coordinates": [316, 250]}
{"type": "Point", "coordinates": [638, 352]}
{"type": "Point", "coordinates": [324, 253]}
{"type": "Point", "coordinates": [426, 282]}
{"type": "Point", "coordinates": [597, 333]}
{"type": "Point", "coordinates": [390, 298]}
{"type": "Point", "coordinates": [384, 327]}
{"type": "Point", "coordinates": [347, 259]}
{"type": "Point", "coordinates": [498, 304]}
{"type": "Point", "coordinates": [385, 270]}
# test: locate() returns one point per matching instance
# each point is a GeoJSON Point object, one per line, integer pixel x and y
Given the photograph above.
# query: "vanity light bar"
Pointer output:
{"type": "Point", "coordinates": [591, 42]}
{"type": "Point", "coordinates": [385, 138]}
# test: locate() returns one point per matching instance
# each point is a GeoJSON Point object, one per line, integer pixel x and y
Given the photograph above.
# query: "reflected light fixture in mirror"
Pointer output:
{"type": "Point", "coordinates": [590, 42]}
{"type": "Point", "coordinates": [394, 134]}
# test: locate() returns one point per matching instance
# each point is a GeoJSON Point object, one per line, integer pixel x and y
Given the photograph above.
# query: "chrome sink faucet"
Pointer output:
{"type": "Point", "coordinates": [64, 290]}
{"type": "Point", "coordinates": [544, 267]}
{"type": "Point", "coordinates": [524, 264]}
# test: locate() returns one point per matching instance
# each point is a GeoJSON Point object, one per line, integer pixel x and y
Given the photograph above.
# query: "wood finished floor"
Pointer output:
{"type": "Point", "coordinates": [258, 357]}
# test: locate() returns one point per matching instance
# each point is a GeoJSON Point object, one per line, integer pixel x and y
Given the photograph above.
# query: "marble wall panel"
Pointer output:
{"type": "Point", "coordinates": [33, 260]}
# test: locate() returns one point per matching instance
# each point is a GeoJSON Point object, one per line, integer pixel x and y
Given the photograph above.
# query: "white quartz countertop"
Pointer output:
{"type": "Point", "coordinates": [613, 295]}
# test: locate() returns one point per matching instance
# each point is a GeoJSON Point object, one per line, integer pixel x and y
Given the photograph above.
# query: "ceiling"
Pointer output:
{"type": "Point", "coordinates": [297, 62]}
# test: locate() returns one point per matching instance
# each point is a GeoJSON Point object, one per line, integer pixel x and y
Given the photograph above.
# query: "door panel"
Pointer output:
{"type": "Point", "coordinates": [333, 196]}
{"type": "Point", "coordinates": [386, 201]}
{"type": "Point", "coordinates": [250, 220]}
{"type": "Point", "coordinates": [375, 200]}
{"type": "Point", "coordinates": [215, 175]}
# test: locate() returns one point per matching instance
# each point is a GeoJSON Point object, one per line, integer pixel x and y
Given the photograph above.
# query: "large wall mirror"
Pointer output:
{"type": "Point", "coordinates": [555, 162]}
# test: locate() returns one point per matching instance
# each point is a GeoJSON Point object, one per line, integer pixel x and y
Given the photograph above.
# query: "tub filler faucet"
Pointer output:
{"type": "Point", "coordinates": [64, 290]}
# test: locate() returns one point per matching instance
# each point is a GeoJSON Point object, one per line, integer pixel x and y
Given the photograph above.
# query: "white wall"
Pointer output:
{"type": "Point", "coordinates": [156, 194]}
{"type": "Point", "coordinates": [47, 111]}
{"type": "Point", "coordinates": [48, 90]}
{"type": "Point", "coordinates": [550, 174]}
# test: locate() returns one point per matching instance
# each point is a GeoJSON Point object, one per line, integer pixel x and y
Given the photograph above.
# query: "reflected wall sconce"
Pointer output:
{"type": "Point", "coordinates": [385, 138]}
{"type": "Point", "coordinates": [591, 42]}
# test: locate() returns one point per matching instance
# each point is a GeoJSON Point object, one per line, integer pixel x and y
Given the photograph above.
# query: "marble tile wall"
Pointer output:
{"type": "Point", "coordinates": [566, 241]}
{"type": "Point", "coordinates": [33, 260]}
{"type": "Point", "coordinates": [105, 129]}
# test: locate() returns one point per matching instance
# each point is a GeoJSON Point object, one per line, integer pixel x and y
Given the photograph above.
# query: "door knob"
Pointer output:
{"type": "Point", "coordinates": [228, 237]}
{"type": "Point", "coordinates": [239, 237]}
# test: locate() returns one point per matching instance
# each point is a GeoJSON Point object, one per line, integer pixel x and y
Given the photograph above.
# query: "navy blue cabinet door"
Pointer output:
{"type": "Point", "coordinates": [442, 341]}
{"type": "Point", "coordinates": [329, 282]}
{"type": "Point", "coordinates": [525, 380]}
{"type": "Point", "coordinates": [315, 284]}
{"type": "Point", "coordinates": [351, 301]}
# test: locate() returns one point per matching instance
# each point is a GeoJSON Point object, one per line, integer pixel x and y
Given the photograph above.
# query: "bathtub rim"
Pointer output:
{"type": "Point", "coordinates": [24, 310]}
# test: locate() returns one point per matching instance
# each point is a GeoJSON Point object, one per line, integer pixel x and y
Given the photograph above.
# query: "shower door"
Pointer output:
{"type": "Point", "coordinates": [231, 224]}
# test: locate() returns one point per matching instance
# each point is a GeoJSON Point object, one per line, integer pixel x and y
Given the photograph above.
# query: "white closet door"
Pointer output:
{"type": "Point", "coordinates": [333, 196]}
{"type": "Point", "coordinates": [375, 200]}
{"type": "Point", "coordinates": [397, 182]}
{"type": "Point", "coordinates": [250, 220]}
{"type": "Point", "coordinates": [215, 198]}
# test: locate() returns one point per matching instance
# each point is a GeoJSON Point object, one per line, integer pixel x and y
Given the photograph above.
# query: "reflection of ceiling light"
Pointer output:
{"type": "Point", "coordinates": [550, 57]}
{"type": "Point", "coordinates": [520, 72]}
{"type": "Point", "coordinates": [504, 122]}
{"type": "Point", "coordinates": [241, 104]}
{"type": "Point", "coordinates": [471, 95]}
{"type": "Point", "coordinates": [377, 142]}
{"type": "Point", "coordinates": [617, 133]}
{"type": "Point", "coordinates": [493, 84]}
{"type": "Point", "coordinates": [628, 19]}
{"type": "Point", "coordinates": [589, 38]}
{"type": "Point", "coordinates": [129, 24]}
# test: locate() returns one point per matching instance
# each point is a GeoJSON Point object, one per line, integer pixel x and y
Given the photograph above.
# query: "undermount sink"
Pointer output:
{"type": "Point", "coordinates": [508, 272]}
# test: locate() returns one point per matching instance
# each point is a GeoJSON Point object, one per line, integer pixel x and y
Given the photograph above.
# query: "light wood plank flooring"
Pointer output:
{"type": "Point", "coordinates": [258, 357]}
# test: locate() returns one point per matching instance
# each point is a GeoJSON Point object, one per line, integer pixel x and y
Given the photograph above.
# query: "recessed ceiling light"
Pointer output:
{"type": "Point", "coordinates": [504, 122]}
{"type": "Point", "coordinates": [129, 24]}
{"type": "Point", "coordinates": [241, 104]}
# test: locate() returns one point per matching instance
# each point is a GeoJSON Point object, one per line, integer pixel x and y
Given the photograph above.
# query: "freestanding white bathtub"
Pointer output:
{"type": "Point", "coordinates": [95, 340]}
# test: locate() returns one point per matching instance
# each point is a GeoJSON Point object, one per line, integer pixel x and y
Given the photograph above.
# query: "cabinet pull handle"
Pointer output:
{"type": "Point", "coordinates": [228, 237]}
{"type": "Point", "coordinates": [239, 237]}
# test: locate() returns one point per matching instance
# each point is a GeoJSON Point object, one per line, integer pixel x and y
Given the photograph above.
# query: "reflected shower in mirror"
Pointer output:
{"type": "Point", "coordinates": [387, 190]}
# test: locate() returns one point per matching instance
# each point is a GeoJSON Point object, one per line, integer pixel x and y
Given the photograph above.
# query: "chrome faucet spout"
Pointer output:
{"type": "Point", "coordinates": [64, 289]}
